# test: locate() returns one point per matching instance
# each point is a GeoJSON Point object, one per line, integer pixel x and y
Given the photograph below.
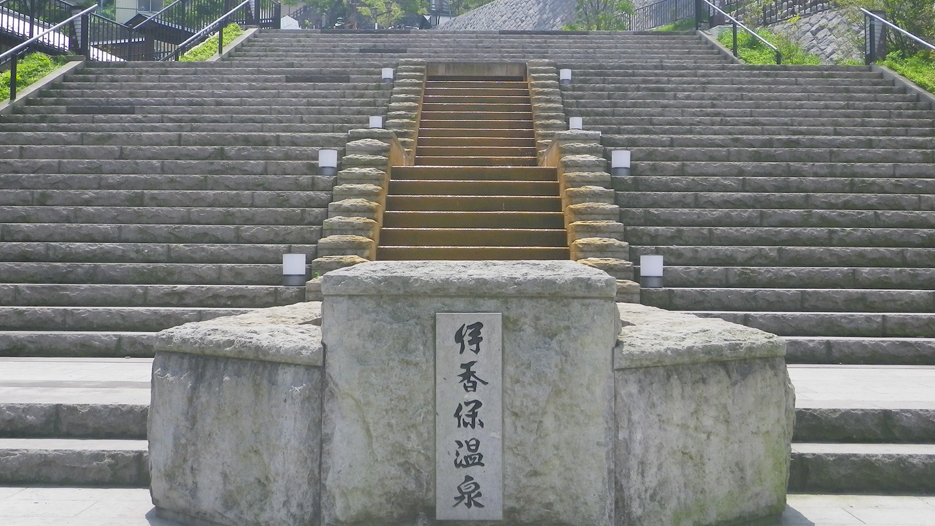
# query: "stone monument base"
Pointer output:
{"type": "Point", "coordinates": [612, 414]}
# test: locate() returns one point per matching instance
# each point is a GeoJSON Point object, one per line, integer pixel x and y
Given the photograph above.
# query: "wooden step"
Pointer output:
{"type": "Point", "coordinates": [448, 219]}
{"type": "Point", "coordinates": [473, 173]}
{"type": "Point", "coordinates": [476, 151]}
{"type": "Point", "coordinates": [499, 142]}
{"type": "Point", "coordinates": [474, 203]}
{"type": "Point", "coordinates": [460, 187]}
{"type": "Point", "coordinates": [524, 132]}
{"type": "Point", "coordinates": [475, 161]}
{"type": "Point", "coordinates": [470, 253]}
{"type": "Point", "coordinates": [473, 237]}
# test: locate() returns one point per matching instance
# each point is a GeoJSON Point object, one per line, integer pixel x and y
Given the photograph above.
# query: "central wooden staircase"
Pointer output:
{"type": "Point", "coordinates": [475, 192]}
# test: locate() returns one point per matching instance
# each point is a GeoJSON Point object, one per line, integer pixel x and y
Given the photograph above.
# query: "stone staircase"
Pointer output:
{"type": "Point", "coordinates": [796, 200]}
{"type": "Point", "coordinates": [475, 191]}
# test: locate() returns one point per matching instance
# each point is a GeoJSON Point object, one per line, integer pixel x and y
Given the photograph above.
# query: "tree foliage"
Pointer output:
{"type": "Point", "coordinates": [914, 16]}
{"type": "Point", "coordinates": [602, 15]}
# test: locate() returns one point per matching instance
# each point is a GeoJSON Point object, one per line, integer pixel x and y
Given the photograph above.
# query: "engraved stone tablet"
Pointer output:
{"type": "Point", "coordinates": [468, 416]}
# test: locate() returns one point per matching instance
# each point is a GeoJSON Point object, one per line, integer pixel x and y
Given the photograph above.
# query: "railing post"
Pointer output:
{"type": "Point", "coordinates": [734, 31]}
{"type": "Point", "coordinates": [778, 58]}
{"type": "Point", "coordinates": [33, 7]}
{"type": "Point", "coordinates": [85, 36]}
{"type": "Point", "coordinates": [697, 15]}
{"type": "Point", "coordinates": [874, 39]}
{"type": "Point", "coordinates": [13, 77]}
{"type": "Point", "coordinates": [221, 38]}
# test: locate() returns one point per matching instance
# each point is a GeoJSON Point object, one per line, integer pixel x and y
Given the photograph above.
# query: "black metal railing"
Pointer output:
{"type": "Point", "coordinates": [24, 19]}
{"type": "Point", "coordinates": [875, 36]}
{"type": "Point", "coordinates": [76, 32]}
{"type": "Point", "coordinates": [706, 12]}
{"type": "Point", "coordinates": [660, 14]}
{"type": "Point", "coordinates": [240, 14]}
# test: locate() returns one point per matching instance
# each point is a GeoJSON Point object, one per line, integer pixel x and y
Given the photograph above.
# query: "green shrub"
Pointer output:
{"type": "Point", "coordinates": [30, 68]}
{"type": "Point", "coordinates": [919, 68]}
{"type": "Point", "coordinates": [209, 48]}
{"type": "Point", "coordinates": [682, 25]}
{"type": "Point", "coordinates": [752, 51]}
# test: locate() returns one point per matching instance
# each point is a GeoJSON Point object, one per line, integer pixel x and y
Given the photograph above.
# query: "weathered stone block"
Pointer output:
{"type": "Point", "coordinates": [365, 161]}
{"type": "Point", "coordinates": [347, 246]}
{"type": "Point", "coordinates": [618, 268]}
{"type": "Point", "coordinates": [576, 179]}
{"type": "Point", "coordinates": [326, 264]}
{"type": "Point", "coordinates": [378, 465]}
{"type": "Point", "coordinates": [591, 212]}
{"type": "Point", "coordinates": [704, 420]}
{"type": "Point", "coordinates": [374, 176]}
{"type": "Point", "coordinates": [351, 226]}
{"type": "Point", "coordinates": [589, 194]}
{"type": "Point", "coordinates": [585, 229]}
{"type": "Point", "coordinates": [368, 192]}
{"type": "Point", "coordinates": [356, 208]}
{"type": "Point", "coordinates": [598, 247]}
{"type": "Point", "coordinates": [235, 419]}
{"type": "Point", "coordinates": [368, 147]}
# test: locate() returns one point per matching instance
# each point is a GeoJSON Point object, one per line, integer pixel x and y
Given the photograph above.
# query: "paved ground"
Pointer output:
{"type": "Point", "coordinates": [132, 507]}
{"type": "Point", "coordinates": [60, 380]}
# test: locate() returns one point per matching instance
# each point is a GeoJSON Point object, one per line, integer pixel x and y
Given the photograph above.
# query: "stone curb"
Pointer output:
{"type": "Point", "coordinates": [712, 42]}
{"type": "Point", "coordinates": [32, 90]}
{"type": "Point", "coordinates": [900, 81]}
{"type": "Point", "coordinates": [233, 46]}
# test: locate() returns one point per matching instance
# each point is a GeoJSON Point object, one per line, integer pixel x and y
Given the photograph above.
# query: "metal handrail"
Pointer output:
{"type": "Point", "coordinates": [36, 38]}
{"type": "Point", "coordinates": [736, 23]}
{"type": "Point", "coordinates": [204, 32]}
{"type": "Point", "coordinates": [16, 50]}
{"type": "Point", "coordinates": [897, 28]}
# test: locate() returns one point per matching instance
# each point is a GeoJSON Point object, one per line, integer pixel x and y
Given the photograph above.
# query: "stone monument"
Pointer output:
{"type": "Point", "coordinates": [473, 393]}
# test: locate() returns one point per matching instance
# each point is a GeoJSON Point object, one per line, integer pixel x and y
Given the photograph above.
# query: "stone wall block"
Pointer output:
{"type": "Point", "coordinates": [584, 163]}
{"type": "Point", "coordinates": [368, 147]}
{"type": "Point", "coordinates": [576, 179]}
{"type": "Point", "coordinates": [588, 194]}
{"type": "Point", "coordinates": [374, 176]}
{"type": "Point", "coordinates": [591, 212]}
{"type": "Point", "coordinates": [599, 247]}
{"type": "Point", "coordinates": [585, 229]}
{"type": "Point", "coordinates": [356, 208]}
{"type": "Point", "coordinates": [369, 192]}
{"type": "Point", "coordinates": [351, 226]}
{"type": "Point", "coordinates": [347, 245]}
{"type": "Point", "coordinates": [618, 268]}
{"type": "Point", "coordinates": [364, 161]}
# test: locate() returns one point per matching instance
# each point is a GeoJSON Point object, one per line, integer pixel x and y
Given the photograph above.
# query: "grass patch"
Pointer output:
{"type": "Point", "coordinates": [682, 25]}
{"type": "Point", "coordinates": [752, 51]}
{"type": "Point", "coordinates": [209, 48]}
{"type": "Point", "coordinates": [29, 69]}
{"type": "Point", "coordinates": [919, 68]}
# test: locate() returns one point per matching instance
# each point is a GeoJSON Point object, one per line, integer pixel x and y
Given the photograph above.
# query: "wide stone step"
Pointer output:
{"type": "Point", "coordinates": [113, 463]}
{"type": "Point", "coordinates": [479, 160]}
{"type": "Point", "coordinates": [147, 295]}
{"type": "Point", "coordinates": [817, 130]}
{"type": "Point", "coordinates": [175, 127]}
{"type": "Point", "coordinates": [798, 155]}
{"type": "Point", "coordinates": [316, 103]}
{"type": "Point", "coordinates": [766, 184]}
{"type": "Point", "coordinates": [590, 74]}
{"type": "Point", "coordinates": [164, 215]}
{"type": "Point", "coordinates": [458, 219]}
{"type": "Point", "coordinates": [475, 237]}
{"type": "Point", "coordinates": [648, 111]}
{"type": "Point", "coordinates": [166, 198]}
{"type": "Point", "coordinates": [159, 233]}
{"type": "Point", "coordinates": [149, 139]}
{"type": "Point", "coordinates": [476, 253]}
{"type": "Point", "coordinates": [801, 277]}
{"type": "Point", "coordinates": [136, 273]}
{"type": "Point", "coordinates": [77, 344]}
{"type": "Point", "coordinates": [157, 122]}
{"type": "Point", "coordinates": [482, 141]}
{"type": "Point", "coordinates": [764, 141]}
{"type": "Point", "coordinates": [168, 153]}
{"type": "Point", "coordinates": [785, 169]}
{"type": "Point", "coordinates": [782, 236]}
{"type": "Point", "coordinates": [789, 256]}
{"type": "Point", "coordinates": [594, 91]}
{"type": "Point", "coordinates": [775, 125]}
{"type": "Point", "coordinates": [426, 152]}
{"type": "Point", "coordinates": [847, 324]}
{"type": "Point", "coordinates": [862, 467]}
{"type": "Point", "coordinates": [146, 89]}
{"type": "Point", "coordinates": [778, 217]}
{"type": "Point", "coordinates": [752, 80]}
{"type": "Point", "coordinates": [97, 251]}
{"type": "Point", "coordinates": [119, 319]}
{"type": "Point", "coordinates": [576, 99]}
{"type": "Point", "coordinates": [165, 182]}
{"type": "Point", "coordinates": [790, 299]}
{"type": "Point", "coordinates": [859, 350]}
{"type": "Point", "coordinates": [521, 130]}
{"type": "Point", "coordinates": [158, 166]}
{"type": "Point", "coordinates": [623, 108]}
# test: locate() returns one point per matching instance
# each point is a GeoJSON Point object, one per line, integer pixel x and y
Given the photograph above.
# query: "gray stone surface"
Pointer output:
{"type": "Point", "coordinates": [523, 15]}
{"type": "Point", "coordinates": [703, 431]}
{"type": "Point", "coordinates": [235, 441]}
{"type": "Point", "coordinates": [290, 334]}
{"type": "Point", "coordinates": [379, 329]}
{"type": "Point", "coordinates": [826, 34]}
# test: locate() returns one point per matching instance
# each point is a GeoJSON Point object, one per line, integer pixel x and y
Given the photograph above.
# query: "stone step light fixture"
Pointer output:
{"type": "Point", "coordinates": [293, 270]}
{"type": "Point", "coordinates": [328, 162]}
{"type": "Point", "coordinates": [651, 271]}
{"type": "Point", "coordinates": [620, 163]}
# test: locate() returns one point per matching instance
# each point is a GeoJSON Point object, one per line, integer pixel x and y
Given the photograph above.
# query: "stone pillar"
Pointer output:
{"type": "Point", "coordinates": [559, 324]}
